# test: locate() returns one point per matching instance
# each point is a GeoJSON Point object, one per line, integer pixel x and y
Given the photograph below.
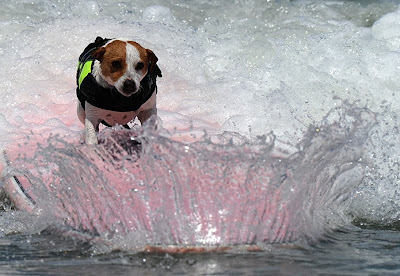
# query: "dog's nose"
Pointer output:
{"type": "Point", "coordinates": [129, 86]}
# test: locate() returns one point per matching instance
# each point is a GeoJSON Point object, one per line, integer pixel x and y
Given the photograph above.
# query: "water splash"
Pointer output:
{"type": "Point", "coordinates": [376, 202]}
{"type": "Point", "coordinates": [145, 189]}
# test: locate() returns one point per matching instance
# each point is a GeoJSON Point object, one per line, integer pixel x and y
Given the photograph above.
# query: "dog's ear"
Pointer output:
{"type": "Point", "coordinates": [152, 59]}
{"type": "Point", "coordinates": [99, 53]}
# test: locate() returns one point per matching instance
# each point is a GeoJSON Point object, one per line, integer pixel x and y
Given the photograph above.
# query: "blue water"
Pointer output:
{"type": "Point", "coordinates": [297, 71]}
{"type": "Point", "coordinates": [349, 251]}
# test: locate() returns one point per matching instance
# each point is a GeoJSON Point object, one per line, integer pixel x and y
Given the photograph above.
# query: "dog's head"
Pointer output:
{"type": "Point", "coordinates": [123, 64]}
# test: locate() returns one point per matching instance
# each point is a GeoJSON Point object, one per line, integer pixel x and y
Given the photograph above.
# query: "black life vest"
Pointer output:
{"type": "Point", "coordinates": [88, 90]}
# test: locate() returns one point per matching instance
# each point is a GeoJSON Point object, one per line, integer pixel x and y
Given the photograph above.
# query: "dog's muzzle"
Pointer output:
{"type": "Point", "coordinates": [129, 87]}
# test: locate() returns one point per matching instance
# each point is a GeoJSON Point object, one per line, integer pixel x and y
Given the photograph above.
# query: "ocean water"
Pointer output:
{"type": "Point", "coordinates": [278, 127]}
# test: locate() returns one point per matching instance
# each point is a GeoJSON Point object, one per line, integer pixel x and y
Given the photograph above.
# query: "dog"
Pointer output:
{"type": "Point", "coordinates": [116, 82]}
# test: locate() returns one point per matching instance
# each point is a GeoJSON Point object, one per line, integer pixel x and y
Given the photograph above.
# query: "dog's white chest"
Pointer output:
{"type": "Point", "coordinates": [110, 117]}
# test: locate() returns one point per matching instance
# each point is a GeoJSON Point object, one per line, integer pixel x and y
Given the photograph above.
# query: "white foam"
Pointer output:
{"type": "Point", "coordinates": [157, 14]}
{"type": "Point", "coordinates": [388, 30]}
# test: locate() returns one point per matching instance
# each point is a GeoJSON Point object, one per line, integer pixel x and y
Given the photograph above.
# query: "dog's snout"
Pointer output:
{"type": "Point", "coordinates": [129, 86]}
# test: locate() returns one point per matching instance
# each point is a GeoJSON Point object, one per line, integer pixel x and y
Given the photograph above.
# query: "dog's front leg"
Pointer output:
{"type": "Point", "coordinates": [90, 133]}
{"type": "Point", "coordinates": [144, 115]}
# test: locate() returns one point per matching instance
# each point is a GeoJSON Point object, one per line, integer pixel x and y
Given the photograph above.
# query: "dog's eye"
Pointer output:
{"type": "Point", "coordinates": [116, 64]}
{"type": "Point", "coordinates": [139, 65]}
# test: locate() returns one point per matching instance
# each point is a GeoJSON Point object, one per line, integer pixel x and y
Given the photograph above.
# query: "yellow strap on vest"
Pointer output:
{"type": "Point", "coordinates": [85, 69]}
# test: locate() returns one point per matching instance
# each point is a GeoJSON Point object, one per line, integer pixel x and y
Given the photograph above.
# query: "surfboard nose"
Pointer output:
{"type": "Point", "coordinates": [14, 187]}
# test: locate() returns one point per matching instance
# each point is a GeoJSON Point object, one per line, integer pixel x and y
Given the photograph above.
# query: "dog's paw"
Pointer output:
{"type": "Point", "coordinates": [91, 141]}
{"type": "Point", "coordinates": [90, 133]}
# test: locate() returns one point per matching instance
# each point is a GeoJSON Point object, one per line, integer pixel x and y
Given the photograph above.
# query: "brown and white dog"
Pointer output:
{"type": "Point", "coordinates": [116, 82]}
